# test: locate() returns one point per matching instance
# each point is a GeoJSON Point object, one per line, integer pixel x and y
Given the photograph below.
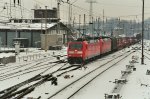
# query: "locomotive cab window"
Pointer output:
{"type": "Point", "coordinates": [75, 46]}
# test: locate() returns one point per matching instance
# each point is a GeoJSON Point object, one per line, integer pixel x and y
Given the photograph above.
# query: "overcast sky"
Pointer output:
{"type": "Point", "coordinates": [125, 9]}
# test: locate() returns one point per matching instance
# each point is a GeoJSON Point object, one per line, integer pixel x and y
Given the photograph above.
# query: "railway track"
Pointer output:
{"type": "Point", "coordinates": [10, 72]}
{"type": "Point", "coordinates": [146, 56]}
{"type": "Point", "coordinates": [17, 91]}
{"type": "Point", "coordinates": [84, 80]}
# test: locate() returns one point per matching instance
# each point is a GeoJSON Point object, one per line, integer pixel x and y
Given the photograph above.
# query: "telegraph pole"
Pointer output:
{"type": "Point", "coordinates": [79, 25]}
{"type": "Point", "coordinates": [84, 26]}
{"type": "Point", "coordinates": [91, 9]}
{"type": "Point", "coordinates": [10, 10]}
{"type": "Point", "coordinates": [46, 29]}
{"type": "Point", "coordinates": [93, 28]}
{"type": "Point", "coordinates": [148, 31]}
{"type": "Point", "coordinates": [70, 11]}
{"type": "Point", "coordinates": [58, 15]}
{"type": "Point", "coordinates": [41, 22]}
{"type": "Point", "coordinates": [142, 59]}
{"type": "Point", "coordinates": [103, 19]}
{"type": "Point", "coordinates": [91, 15]}
{"type": "Point", "coordinates": [69, 16]}
{"type": "Point", "coordinates": [99, 26]}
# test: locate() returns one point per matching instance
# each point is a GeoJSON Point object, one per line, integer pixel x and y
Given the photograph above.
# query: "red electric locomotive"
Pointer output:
{"type": "Point", "coordinates": [83, 49]}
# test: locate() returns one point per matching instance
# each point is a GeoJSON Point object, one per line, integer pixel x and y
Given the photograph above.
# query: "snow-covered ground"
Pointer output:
{"type": "Point", "coordinates": [137, 86]}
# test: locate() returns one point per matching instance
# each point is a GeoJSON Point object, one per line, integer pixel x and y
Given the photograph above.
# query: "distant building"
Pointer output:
{"type": "Point", "coordinates": [35, 29]}
{"type": "Point", "coordinates": [43, 13]}
{"type": "Point", "coordinates": [31, 31]}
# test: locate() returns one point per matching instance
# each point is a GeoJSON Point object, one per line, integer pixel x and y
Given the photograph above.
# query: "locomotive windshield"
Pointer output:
{"type": "Point", "coordinates": [75, 46]}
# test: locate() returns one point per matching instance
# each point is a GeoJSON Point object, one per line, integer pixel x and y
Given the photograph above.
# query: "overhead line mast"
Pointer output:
{"type": "Point", "coordinates": [91, 17]}
{"type": "Point", "coordinates": [91, 9]}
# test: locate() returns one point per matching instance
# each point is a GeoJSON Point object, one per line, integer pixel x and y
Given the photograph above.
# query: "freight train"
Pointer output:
{"type": "Point", "coordinates": [84, 49]}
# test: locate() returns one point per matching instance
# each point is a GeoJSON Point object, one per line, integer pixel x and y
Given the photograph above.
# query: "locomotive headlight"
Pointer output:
{"type": "Point", "coordinates": [71, 52]}
{"type": "Point", "coordinates": [79, 52]}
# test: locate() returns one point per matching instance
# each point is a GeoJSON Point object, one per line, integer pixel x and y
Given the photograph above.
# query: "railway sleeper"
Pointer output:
{"type": "Point", "coordinates": [9, 95]}
{"type": "Point", "coordinates": [15, 87]}
{"type": "Point", "coordinates": [32, 87]}
{"type": "Point", "coordinates": [59, 61]}
{"type": "Point", "coordinates": [25, 93]}
{"type": "Point", "coordinates": [148, 72]}
{"type": "Point", "coordinates": [129, 66]}
{"type": "Point", "coordinates": [11, 92]}
{"type": "Point", "coordinates": [126, 72]}
{"type": "Point", "coordinates": [113, 96]}
{"type": "Point", "coordinates": [120, 81]}
{"type": "Point", "coordinates": [68, 71]}
{"type": "Point", "coordinates": [49, 77]}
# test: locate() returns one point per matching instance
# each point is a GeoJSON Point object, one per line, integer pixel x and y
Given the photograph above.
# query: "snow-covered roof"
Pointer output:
{"type": "Point", "coordinates": [6, 55]}
{"type": "Point", "coordinates": [26, 26]}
